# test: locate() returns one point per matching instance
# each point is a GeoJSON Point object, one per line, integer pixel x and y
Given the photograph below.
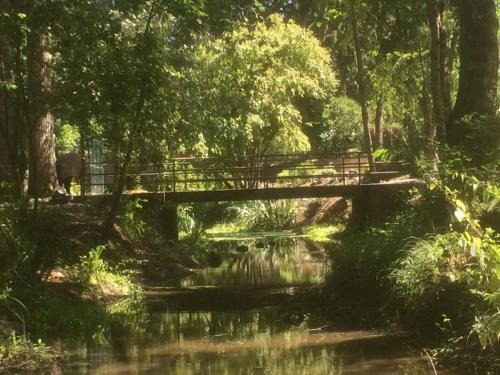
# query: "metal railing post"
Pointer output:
{"type": "Point", "coordinates": [359, 168]}
{"type": "Point", "coordinates": [185, 176]}
{"type": "Point", "coordinates": [343, 170]}
{"type": "Point", "coordinates": [173, 175]}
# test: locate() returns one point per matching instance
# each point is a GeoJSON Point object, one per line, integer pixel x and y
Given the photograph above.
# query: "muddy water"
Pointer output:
{"type": "Point", "coordinates": [223, 321]}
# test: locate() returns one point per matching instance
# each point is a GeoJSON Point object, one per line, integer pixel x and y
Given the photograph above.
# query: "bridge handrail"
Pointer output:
{"type": "Point", "coordinates": [247, 171]}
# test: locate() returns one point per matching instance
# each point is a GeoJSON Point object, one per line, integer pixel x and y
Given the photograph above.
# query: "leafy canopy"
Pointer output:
{"type": "Point", "coordinates": [242, 88]}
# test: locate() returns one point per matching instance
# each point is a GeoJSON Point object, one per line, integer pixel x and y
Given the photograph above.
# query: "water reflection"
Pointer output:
{"type": "Point", "coordinates": [246, 342]}
{"type": "Point", "coordinates": [218, 331]}
{"type": "Point", "coordinates": [268, 262]}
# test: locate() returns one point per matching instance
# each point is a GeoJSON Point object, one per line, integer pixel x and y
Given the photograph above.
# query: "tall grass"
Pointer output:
{"type": "Point", "coordinates": [266, 215]}
{"type": "Point", "coordinates": [100, 280]}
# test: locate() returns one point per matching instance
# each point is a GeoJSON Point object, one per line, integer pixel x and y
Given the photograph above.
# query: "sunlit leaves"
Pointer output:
{"type": "Point", "coordinates": [242, 87]}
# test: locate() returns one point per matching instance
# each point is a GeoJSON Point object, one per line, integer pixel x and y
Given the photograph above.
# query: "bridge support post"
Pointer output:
{"type": "Point", "coordinates": [371, 204]}
{"type": "Point", "coordinates": [169, 218]}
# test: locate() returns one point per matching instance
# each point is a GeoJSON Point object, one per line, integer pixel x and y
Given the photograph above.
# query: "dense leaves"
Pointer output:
{"type": "Point", "coordinates": [242, 88]}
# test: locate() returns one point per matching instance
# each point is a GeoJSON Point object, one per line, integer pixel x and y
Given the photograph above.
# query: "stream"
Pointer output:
{"type": "Point", "coordinates": [233, 319]}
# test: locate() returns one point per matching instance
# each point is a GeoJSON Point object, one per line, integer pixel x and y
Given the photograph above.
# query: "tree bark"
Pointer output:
{"type": "Point", "coordinates": [118, 192]}
{"type": "Point", "coordinates": [435, 25]}
{"type": "Point", "coordinates": [444, 69]}
{"type": "Point", "coordinates": [427, 114]}
{"type": "Point", "coordinates": [478, 53]}
{"type": "Point", "coordinates": [43, 173]}
{"type": "Point", "coordinates": [13, 129]}
{"type": "Point", "coordinates": [362, 86]}
{"type": "Point", "coordinates": [430, 150]}
{"type": "Point", "coordinates": [379, 123]}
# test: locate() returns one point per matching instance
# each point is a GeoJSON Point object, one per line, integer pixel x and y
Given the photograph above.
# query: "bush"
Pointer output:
{"type": "Point", "coordinates": [18, 353]}
{"type": "Point", "coordinates": [29, 246]}
{"type": "Point", "coordinates": [451, 280]}
{"type": "Point", "coordinates": [132, 220]}
{"type": "Point", "coordinates": [100, 280]}
{"type": "Point", "coordinates": [266, 215]}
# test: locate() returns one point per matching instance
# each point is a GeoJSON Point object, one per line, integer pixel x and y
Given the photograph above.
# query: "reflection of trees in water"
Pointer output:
{"type": "Point", "coordinates": [285, 261]}
{"type": "Point", "coordinates": [280, 262]}
{"type": "Point", "coordinates": [256, 342]}
{"type": "Point", "coordinates": [242, 342]}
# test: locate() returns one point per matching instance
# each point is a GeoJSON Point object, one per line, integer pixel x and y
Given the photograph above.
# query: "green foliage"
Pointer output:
{"type": "Point", "coordinates": [361, 257]}
{"type": "Point", "coordinates": [67, 139]}
{"type": "Point", "coordinates": [240, 92]}
{"type": "Point", "coordinates": [101, 280]}
{"type": "Point", "coordinates": [190, 226]}
{"type": "Point", "coordinates": [13, 308]}
{"type": "Point", "coordinates": [132, 220]}
{"type": "Point", "coordinates": [266, 215]}
{"type": "Point", "coordinates": [457, 273]}
{"type": "Point", "coordinates": [323, 233]}
{"type": "Point", "coordinates": [487, 328]}
{"type": "Point", "coordinates": [341, 127]}
{"type": "Point", "coordinates": [30, 246]}
{"type": "Point", "coordinates": [447, 258]}
{"type": "Point", "coordinates": [18, 353]}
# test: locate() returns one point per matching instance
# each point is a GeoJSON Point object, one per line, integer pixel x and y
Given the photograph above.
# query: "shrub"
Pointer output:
{"type": "Point", "coordinates": [100, 280]}
{"type": "Point", "coordinates": [266, 215]}
{"type": "Point", "coordinates": [29, 246]}
{"type": "Point", "coordinates": [131, 219]}
{"type": "Point", "coordinates": [18, 353]}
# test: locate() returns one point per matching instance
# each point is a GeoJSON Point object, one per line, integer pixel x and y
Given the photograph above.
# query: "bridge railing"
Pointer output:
{"type": "Point", "coordinates": [245, 172]}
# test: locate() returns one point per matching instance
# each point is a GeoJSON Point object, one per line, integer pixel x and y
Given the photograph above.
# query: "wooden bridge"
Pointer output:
{"type": "Point", "coordinates": [195, 179]}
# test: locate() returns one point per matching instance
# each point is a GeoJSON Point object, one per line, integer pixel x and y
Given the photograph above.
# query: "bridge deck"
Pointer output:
{"type": "Point", "coordinates": [264, 193]}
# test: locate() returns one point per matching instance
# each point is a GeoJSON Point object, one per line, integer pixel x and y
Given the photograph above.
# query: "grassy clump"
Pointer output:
{"type": "Point", "coordinates": [266, 215]}
{"type": "Point", "coordinates": [100, 280]}
{"type": "Point", "coordinates": [452, 280]}
{"type": "Point", "coordinates": [18, 353]}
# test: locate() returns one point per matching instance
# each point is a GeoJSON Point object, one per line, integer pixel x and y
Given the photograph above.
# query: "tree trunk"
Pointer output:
{"type": "Point", "coordinates": [412, 134]}
{"type": "Point", "coordinates": [430, 150]}
{"type": "Point", "coordinates": [362, 86]}
{"type": "Point", "coordinates": [118, 192]}
{"type": "Point", "coordinates": [429, 129]}
{"type": "Point", "coordinates": [435, 26]}
{"type": "Point", "coordinates": [134, 133]}
{"type": "Point", "coordinates": [478, 52]}
{"type": "Point", "coordinates": [444, 69]}
{"type": "Point", "coordinates": [12, 104]}
{"type": "Point", "coordinates": [379, 123]}
{"type": "Point", "coordinates": [43, 173]}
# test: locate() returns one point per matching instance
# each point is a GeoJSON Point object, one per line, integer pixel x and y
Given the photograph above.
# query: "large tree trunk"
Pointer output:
{"type": "Point", "coordinates": [435, 25]}
{"type": "Point", "coordinates": [43, 174]}
{"type": "Point", "coordinates": [478, 52]}
{"type": "Point", "coordinates": [362, 86]}
{"type": "Point", "coordinates": [13, 128]}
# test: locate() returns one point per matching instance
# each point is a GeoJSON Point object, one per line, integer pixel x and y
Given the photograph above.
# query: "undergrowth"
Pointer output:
{"type": "Point", "coordinates": [433, 266]}
{"type": "Point", "coordinates": [100, 280]}
{"type": "Point", "coordinates": [266, 215]}
{"type": "Point", "coordinates": [18, 353]}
